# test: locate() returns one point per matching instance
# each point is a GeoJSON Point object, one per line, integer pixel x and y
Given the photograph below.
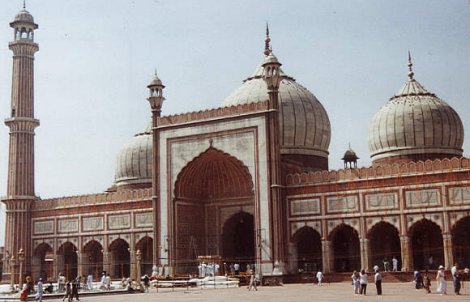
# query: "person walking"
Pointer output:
{"type": "Point", "coordinates": [146, 280]}
{"type": "Point", "coordinates": [378, 282]}
{"type": "Point", "coordinates": [363, 282]}
{"type": "Point", "coordinates": [453, 272]}
{"type": "Point", "coordinates": [394, 264]}
{"type": "Point", "coordinates": [319, 278]}
{"type": "Point", "coordinates": [252, 281]}
{"type": "Point", "coordinates": [75, 287]}
{"type": "Point", "coordinates": [40, 291]}
{"type": "Point", "coordinates": [457, 282]}
{"type": "Point", "coordinates": [418, 280]}
{"type": "Point", "coordinates": [68, 292]}
{"type": "Point", "coordinates": [441, 281]}
{"type": "Point", "coordinates": [427, 282]}
{"type": "Point", "coordinates": [355, 282]}
{"type": "Point", "coordinates": [89, 281]}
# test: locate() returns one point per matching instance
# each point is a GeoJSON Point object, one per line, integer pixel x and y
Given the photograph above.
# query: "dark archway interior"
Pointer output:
{"type": "Point", "coordinates": [384, 242]}
{"type": "Point", "coordinates": [145, 247]}
{"type": "Point", "coordinates": [347, 257]}
{"type": "Point", "coordinates": [461, 242]}
{"type": "Point", "coordinates": [239, 239]}
{"type": "Point", "coordinates": [45, 263]}
{"type": "Point", "coordinates": [309, 252]}
{"type": "Point", "coordinates": [427, 245]}
{"type": "Point", "coordinates": [94, 253]}
{"type": "Point", "coordinates": [121, 259]}
{"type": "Point", "coordinates": [69, 252]}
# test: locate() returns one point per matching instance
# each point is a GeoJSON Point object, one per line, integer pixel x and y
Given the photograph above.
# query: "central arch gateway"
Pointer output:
{"type": "Point", "coordinates": [213, 211]}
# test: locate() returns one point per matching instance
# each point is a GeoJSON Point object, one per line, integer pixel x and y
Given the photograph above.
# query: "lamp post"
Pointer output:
{"type": "Point", "coordinates": [20, 275]}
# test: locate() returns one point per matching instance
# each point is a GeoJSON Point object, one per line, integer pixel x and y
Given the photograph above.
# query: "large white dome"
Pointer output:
{"type": "Point", "coordinates": [303, 122]}
{"type": "Point", "coordinates": [415, 125]}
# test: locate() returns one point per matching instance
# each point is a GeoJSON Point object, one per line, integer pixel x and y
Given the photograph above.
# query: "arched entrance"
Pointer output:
{"type": "Point", "coordinates": [145, 247]}
{"type": "Point", "coordinates": [347, 256]}
{"type": "Point", "coordinates": [214, 184]}
{"type": "Point", "coordinates": [93, 251]}
{"type": "Point", "coordinates": [238, 239]}
{"type": "Point", "coordinates": [44, 260]}
{"type": "Point", "coordinates": [384, 242]}
{"type": "Point", "coordinates": [120, 259]}
{"type": "Point", "coordinates": [69, 259]}
{"type": "Point", "coordinates": [309, 252]}
{"type": "Point", "coordinates": [427, 245]}
{"type": "Point", "coordinates": [461, 242]}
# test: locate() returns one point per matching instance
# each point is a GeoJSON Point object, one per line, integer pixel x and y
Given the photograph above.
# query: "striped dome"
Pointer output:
{"type": "Point", "coordinates": [134, 161]}
{"type": "Point", "coordinates": [303, 122]}
{"type": "Point", "coordinates": [416, 125]}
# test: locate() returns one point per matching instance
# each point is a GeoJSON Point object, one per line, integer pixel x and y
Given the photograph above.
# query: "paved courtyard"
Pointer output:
{"type": "Point", "coordinates": [291, 292]}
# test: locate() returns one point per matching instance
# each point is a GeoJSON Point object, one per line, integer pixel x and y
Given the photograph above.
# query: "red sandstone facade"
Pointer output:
{"type": "Point", "coordinates": [222, 187]}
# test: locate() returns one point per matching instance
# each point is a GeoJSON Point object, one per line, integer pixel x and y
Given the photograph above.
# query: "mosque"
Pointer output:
{"type": "Point", "coordinates": [247, 182]}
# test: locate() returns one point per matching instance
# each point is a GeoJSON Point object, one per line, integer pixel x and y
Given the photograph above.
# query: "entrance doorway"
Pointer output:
{"type": "Point", "coordinates": [309, 253]}
{"type": "Point", "coordinates": [427, 245]}
{"type": "Point", "coordinates": [238, 240]}
{"type": "Point", "coordinates": [347, 257]}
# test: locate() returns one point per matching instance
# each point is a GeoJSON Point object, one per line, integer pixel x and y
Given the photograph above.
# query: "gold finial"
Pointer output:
{"type": "Point", "coordinates": [267, 49]}
{"type": "Point", "coordinates": [410, 65]}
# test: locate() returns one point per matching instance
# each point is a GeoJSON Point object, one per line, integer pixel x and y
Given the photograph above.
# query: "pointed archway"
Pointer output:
{"type": "Point", "coordinates": [93, 252]}
{"type": "Point", "coordinates": [309, 251]}
{"type": "Point", "coordinates": [145, 245]}
{"type": "Point", "coordinates": [213, 184]}
{"type": "Point", "coordinates": [461, 242]}
{"type": "Point", "coordinates": [346, 249]}
{"type": "Point", "coordinates": [238, 239]}
{"type": "Point", "coordinates": [427, 245]}
{"type": "Point", "coordinates": [44, 255]}
{"type": "Point", "coordinates": [384, 242]}
{"type": "Point", "coordinates": [68, 253]}
{"type": "Point", "coordinates": [121, 259]}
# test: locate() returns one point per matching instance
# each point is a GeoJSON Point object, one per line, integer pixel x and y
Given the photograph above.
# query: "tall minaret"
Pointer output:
{"type": "Point", "coordinates": [20, 189]}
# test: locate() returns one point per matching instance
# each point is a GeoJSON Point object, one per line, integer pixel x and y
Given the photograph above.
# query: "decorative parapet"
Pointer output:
{"type": "Point", "coordinates": [381, 171]}
{"type": "Point", "coordinates": [213, 113]}
{"type": "Point", "coordinates": [92, 199]}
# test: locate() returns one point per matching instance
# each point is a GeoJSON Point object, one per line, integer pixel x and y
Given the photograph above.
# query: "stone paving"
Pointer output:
{"type": "Point", "coordinates": [290, 293]}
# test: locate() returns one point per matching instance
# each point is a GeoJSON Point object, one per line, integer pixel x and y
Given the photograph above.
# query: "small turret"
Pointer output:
{"type": "Point", "coordinates": [156, 94]}
{"type": "Point", "coordinates": [350, 159]}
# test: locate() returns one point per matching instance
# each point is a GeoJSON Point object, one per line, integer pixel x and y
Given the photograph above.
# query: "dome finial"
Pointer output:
{"type": "Point", "coordinates": [267, 49]}
{"type": "Point", "coordinates": [410, 67]}
{"type": "Point", "coordinates": [24, 4]}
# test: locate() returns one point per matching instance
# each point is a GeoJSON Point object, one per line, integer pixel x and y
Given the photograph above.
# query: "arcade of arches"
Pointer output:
{"type": "Point", "coordinates": [381, 244]}
{"type": "Point", "coordinates": [93, 259]}
{"type": "Point", "coordinates": [214, 211]}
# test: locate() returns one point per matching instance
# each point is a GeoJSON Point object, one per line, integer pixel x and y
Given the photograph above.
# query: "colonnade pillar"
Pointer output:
{"type": "Point", "coordinates": [447, 244]}
{"type": "Point", "coordinates": [327, 260]}
{"type": "Point", "coordinates": [406, 259]}
{"type": "Point", "coordinates": [364, 242]}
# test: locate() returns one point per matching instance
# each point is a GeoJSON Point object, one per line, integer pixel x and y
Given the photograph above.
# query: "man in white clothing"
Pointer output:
{"type": "Point", "coordinates": [319, 277]}
{"type": "Point", "coordinates": [395, 264]}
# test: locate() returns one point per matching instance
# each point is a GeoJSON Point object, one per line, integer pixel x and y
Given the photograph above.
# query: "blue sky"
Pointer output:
{"type": "Point", "coordinates": [96, 58]}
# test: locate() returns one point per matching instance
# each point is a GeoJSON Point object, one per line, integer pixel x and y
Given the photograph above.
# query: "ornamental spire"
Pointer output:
{"type": "Point", "coordinates": [410, 65]}
{"type": "Point", "coordinates": [267, 48]}
{"type": "Point", "coordinates": [24, 4]}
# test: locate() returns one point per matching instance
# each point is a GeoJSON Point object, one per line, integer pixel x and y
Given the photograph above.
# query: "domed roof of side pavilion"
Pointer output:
{"type": "Point", "coordinates": [415, 125]}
